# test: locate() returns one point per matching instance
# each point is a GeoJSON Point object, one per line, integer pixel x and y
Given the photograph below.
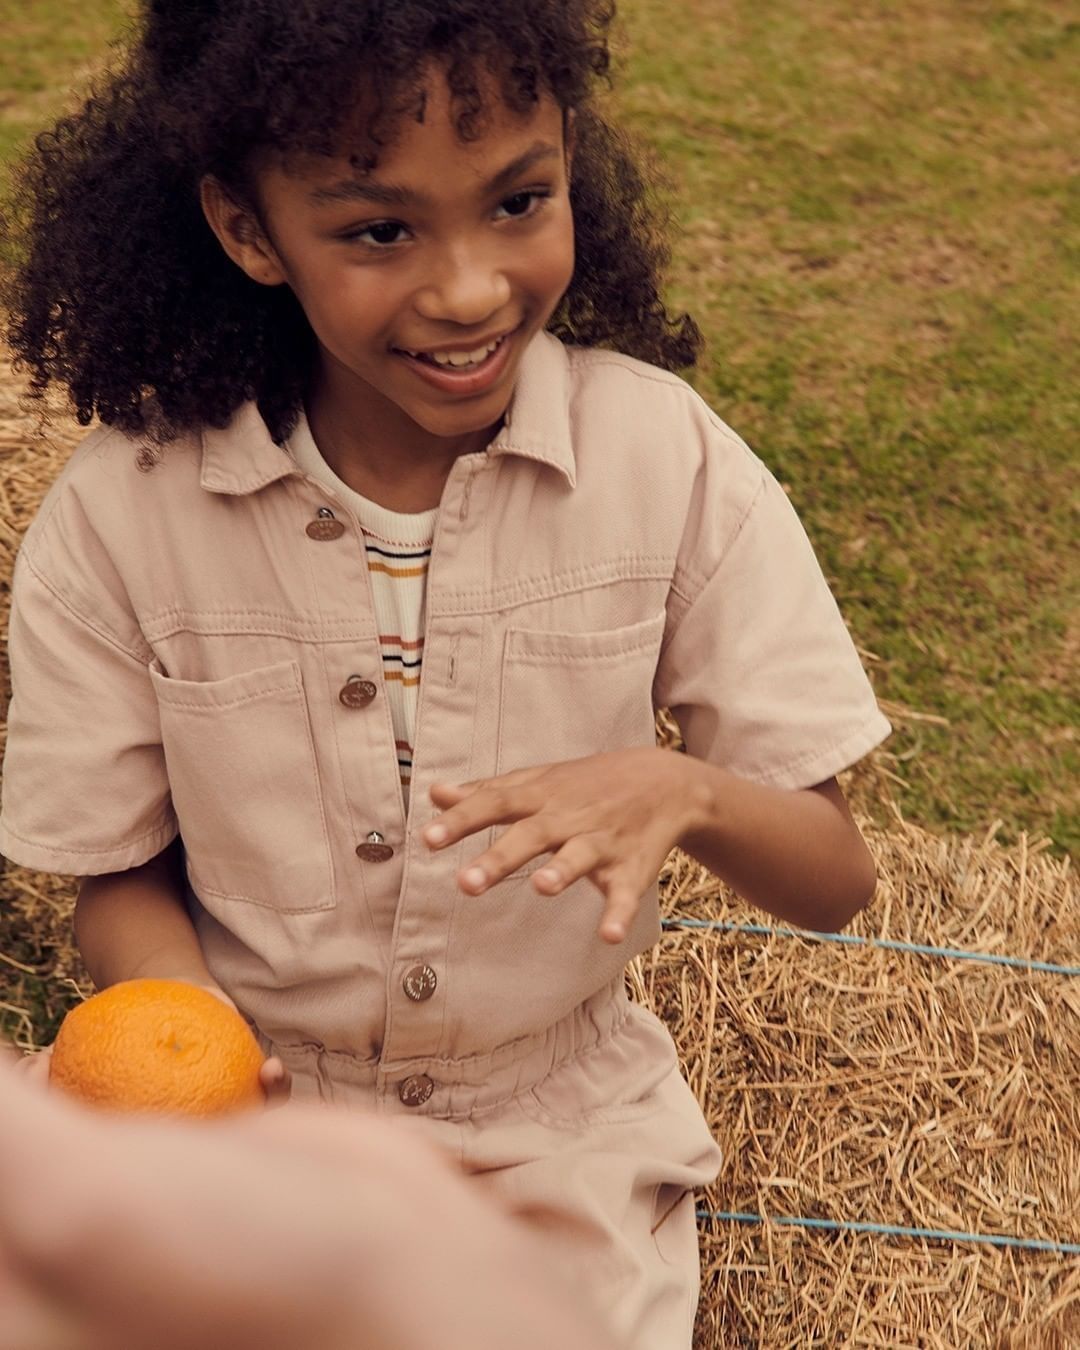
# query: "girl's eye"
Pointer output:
{"type": "Point", "coordinates": [381, 234]}
{"type": "Point", "coordinates": [524, 203]}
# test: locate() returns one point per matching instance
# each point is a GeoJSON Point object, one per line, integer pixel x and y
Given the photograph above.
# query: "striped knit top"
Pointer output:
{"type": "Point", "coordinates": [398, 552]}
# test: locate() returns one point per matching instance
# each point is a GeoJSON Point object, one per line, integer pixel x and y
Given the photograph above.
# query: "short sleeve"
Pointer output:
{"type": "Point", "coordinates": [759, 670]}
{"type": "Point", "coordinates": [85, 789]}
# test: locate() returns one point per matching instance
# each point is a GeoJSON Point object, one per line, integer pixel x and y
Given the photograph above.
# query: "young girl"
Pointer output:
{"type": "Point", "coordinates": [366, 295]}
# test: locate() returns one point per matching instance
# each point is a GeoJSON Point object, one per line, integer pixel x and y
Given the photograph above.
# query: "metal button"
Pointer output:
{"type": "Point", "coordinates": [419, 983]}
{"type": "Point", "coordinates": [325, 526]}
{"type": "Point", "coordinates": [357, 692]}
{"type": "Point", "coordinates": [374, 850]}
{"type": "Point", "coordinates": [415, 1090]}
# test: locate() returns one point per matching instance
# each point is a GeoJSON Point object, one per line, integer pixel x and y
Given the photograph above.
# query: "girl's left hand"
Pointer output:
{"type": "Point", "coordinates": [276, 1082]}
{"type": "Point", "coordinates": [613, 818]}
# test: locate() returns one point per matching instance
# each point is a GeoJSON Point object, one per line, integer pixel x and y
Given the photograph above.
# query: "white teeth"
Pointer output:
{"type": "Point", "coordinates": [459, 359]}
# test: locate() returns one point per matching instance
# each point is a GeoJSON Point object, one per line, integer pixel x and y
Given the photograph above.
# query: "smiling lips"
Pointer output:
{"type": "Point", "coordinates": [456, 360]}
{"type": "Point", "coordinates": [462, 372]}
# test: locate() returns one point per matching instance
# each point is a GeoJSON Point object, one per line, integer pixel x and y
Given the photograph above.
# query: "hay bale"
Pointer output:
{"type": "Point", "coordinates": [845, 1083]}
{"type": "Point", "coordinates": [861, 1084]}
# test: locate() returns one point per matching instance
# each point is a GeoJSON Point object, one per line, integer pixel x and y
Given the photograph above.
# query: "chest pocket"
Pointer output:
{"type": "Point", "coordinates": [245, 786]}
{"type": "Point", "coordinates": [568, 695]}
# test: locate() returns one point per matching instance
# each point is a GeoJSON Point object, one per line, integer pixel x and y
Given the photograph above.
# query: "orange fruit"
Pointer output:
{"type": "Point", "coordinates": [158, 1045]}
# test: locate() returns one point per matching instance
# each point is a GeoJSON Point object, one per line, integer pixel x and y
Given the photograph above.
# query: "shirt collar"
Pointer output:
{"type": "Point", "coordinates": [537, 421]}
{"type": "Point", "coordinates": [241, 458]}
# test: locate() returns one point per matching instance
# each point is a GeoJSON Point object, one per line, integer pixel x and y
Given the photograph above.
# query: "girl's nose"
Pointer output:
{"type": "Point", "coordinates": [467, 289]}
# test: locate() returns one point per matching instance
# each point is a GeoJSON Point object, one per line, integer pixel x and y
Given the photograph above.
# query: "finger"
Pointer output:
{"type": "Point", "coordinates": [455, 791]}
{"type": "Point", "coordinates": [520, 844]}
{"type": "Point", "coordinates": [493, 804]}
{"type": "Point", "coordinates": [276, 1082]}
{"type": "Point", "coordinates": [623, 901]}
{"type": "Point", "coordinates": [446, 794]}
{"type": "Point", "coordinates": [577, 858]}
{"type": "Point", "coordinates": [357, 1138]}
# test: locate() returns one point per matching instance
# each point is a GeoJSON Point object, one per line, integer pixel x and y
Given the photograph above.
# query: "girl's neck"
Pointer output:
{"type": "Point", "coordinates": [381, 453]}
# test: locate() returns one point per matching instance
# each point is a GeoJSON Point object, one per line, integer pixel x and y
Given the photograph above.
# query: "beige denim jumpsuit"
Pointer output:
{"type": "Point", "coordinates": [186, 647]}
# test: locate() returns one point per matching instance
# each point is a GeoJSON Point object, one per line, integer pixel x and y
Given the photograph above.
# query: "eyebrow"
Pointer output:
{"type": "Point", "coordinates": [356, 190]}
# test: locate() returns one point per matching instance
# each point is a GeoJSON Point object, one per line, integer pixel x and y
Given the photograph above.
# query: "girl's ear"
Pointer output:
{"type": "Point", "coordinates": [240, 234]}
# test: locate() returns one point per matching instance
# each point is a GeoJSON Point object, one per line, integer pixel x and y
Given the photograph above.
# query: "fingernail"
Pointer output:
{"type": "Point", "coordinates": [435, 834]}
{"type": "Point", "coordinates": [615, 932]}
{"type": "Point", "coordinates": [475, 876]}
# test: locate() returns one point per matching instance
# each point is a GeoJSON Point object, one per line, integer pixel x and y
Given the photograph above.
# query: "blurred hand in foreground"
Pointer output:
{"type": "Point", "coordinates": [274, 1231]}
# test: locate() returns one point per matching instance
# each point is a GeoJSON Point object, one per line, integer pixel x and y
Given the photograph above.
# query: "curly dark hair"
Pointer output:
{"type": "Point", "coordinates": [121, 292]}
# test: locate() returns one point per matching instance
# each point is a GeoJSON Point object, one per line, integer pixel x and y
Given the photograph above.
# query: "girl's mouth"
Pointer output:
{"type": "Point", "coordinates": [475, 376]}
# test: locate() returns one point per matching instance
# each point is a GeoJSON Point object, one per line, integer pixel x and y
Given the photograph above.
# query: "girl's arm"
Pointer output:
{"type": "Point", "coordinates": [134, 925]}
{"type": "Point", "coordinates": [797, 854]}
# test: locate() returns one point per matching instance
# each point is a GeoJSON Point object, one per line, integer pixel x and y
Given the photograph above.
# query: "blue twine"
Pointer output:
{"type": "Point", "coordinates": [935, 1234]}
{"type": "Point", "coordinates": [853, 939]}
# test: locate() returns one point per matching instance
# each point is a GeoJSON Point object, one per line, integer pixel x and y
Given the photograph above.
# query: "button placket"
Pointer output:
{"type": "Point", "coordinates": [417, 1034]}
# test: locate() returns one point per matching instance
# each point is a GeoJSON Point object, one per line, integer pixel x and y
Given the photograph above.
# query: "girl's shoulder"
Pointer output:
{"type": "Point", "coordinates": [109, 491]}
{"type": "Point", "coordinates": [597, 367]}
{"type": "Point", "coordinates": [629, 388]}
{"type": "Point", "coordinates": [103, 528]}
{"type": "Point", "coordinates": [636, 405]}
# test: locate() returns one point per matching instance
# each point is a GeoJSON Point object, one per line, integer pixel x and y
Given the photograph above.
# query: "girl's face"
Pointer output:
{"type": "Point", "coordinates": [444, 250]}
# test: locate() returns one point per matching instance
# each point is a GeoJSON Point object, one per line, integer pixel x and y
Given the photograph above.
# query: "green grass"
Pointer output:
{"type": "Point", "coordinates": [48, 47]}
{"type": "Point", "coordinates": [881, 241]}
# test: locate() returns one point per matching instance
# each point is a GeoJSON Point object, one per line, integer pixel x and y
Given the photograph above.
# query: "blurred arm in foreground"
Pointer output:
{"type": "Point", "coordinates": [273, 1231]}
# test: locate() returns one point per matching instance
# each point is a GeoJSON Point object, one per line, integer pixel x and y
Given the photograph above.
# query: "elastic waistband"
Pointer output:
{"type": "Point", "coordinates": [465, 1086]}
